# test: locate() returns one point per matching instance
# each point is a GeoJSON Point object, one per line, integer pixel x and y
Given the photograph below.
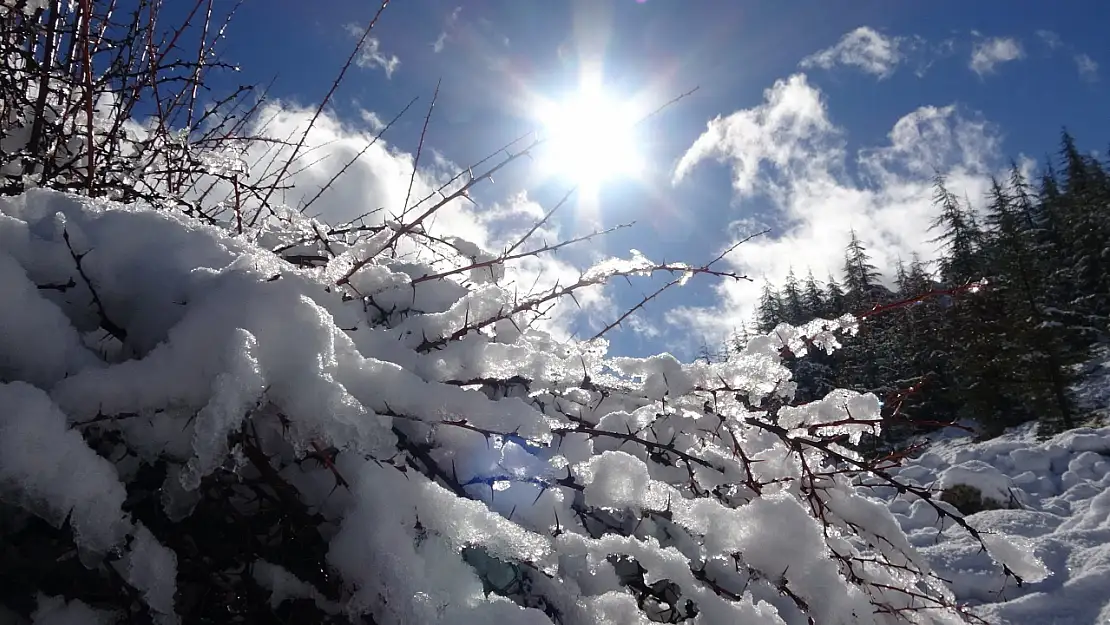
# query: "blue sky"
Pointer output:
{"type": "Point", "coordinates": [829, 115]}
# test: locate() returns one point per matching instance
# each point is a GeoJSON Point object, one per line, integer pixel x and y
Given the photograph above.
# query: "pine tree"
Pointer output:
{"type": "Point", "coordinates": [1000, 356]}
{"type": "Point", "coordinates": [1085, 209]}
{"type": "Point", "coordinates": [861, 277]}
{"type": "Point", "coordinates": [958, 235]}
{"type": "Point", "coordinates": [769, 312]}
{"type": "Point", "coordinates": [793, 307]}
{"type": "Point", "coordinates": [900, 275]}
{"type": "Point", "coordinates": [858, 365]}
{"type": "Point", "coordinates": [1054, 252]}
{"type": "Point", "coordinates": [813, 299]}
{"type": "Point", "coordinates": [836, 302]}
{"type": "Point", "coordinates": [971, 327]}
{"type": "Point", "coordinates": [918, 280]}
{"type": "Point", "coordinates": [927, 355]}
{"type": "Point", "coordinates": [1024, 334]}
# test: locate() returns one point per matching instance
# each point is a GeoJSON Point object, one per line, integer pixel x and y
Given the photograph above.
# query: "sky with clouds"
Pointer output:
{"type": "Point", "coordinates": [810, 118]}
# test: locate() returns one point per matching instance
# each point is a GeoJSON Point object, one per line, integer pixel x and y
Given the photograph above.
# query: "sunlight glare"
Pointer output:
{"type": "Point", "coordinates": [591, 138]}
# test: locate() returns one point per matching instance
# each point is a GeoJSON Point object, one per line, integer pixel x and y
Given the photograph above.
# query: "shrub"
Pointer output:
{"type": "Point", "coordinates": [230, 412]}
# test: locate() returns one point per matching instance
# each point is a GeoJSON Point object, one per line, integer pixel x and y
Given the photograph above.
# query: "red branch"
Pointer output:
{"type": "Point", "coordinates": [970, 287]}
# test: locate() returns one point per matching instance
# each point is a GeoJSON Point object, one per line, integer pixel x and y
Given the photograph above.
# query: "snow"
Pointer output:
{"type": "Point", "coordinates": [29, 6]}
{"type": "Point", "coordinates": [987, 479]}
{"type": "Point", "coordinates": [617, 480]}
{"type": "Point", "coordinates": [38, 456]}
{"type": "Point", "coordinates": [56, 611]}
{"type": "Point", "coordinates": [1058, 536]}
{"type": "Point", "coordinates": [284, 586]}
{"type": "Point", "coordinates": [152, 569]}
{"type": "Point", "coordinates": [485, 473]}
{"type": "Point", "coordinates": [638, 263]}
{"type": "Point", "coordinates": [59, 350]}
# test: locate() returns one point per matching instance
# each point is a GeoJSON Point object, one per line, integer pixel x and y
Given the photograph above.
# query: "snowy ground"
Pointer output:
{"type": "Point", "coordinates": [1061, 490]}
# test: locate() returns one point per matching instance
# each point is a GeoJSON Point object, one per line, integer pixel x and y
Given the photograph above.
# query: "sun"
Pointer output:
{"type": "Point", "coordinates": [590, 138]}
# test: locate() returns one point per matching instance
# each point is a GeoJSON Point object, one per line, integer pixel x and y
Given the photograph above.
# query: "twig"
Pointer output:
{"type": "Point", "coordinates": [327, 98]}
{"type": "Point", "coordinates": [419, 151]}
{"type": "Point", "coordinates": [355, 158]}
{"type": "Point", "coordinates": [703, 269]}
{"type": "Point", "coordinates": [106, 322]}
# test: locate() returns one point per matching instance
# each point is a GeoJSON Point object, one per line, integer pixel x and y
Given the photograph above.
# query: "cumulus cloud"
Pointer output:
{"type": "Point", "coordinates": [370, 55]}
{"type": "Point", "coordinates": [992, 52]}
{"type": "Point", "coordinates": [788, 151]}
{"type": "Point", "coordinates": [377, 176]}
{"type": "Point", "coordinates": [1088, 68]}
{"type": "Point", "coordinates": [864, 48]}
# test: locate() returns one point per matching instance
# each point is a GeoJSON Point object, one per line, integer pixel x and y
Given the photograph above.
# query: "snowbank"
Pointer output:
{"type": "Point", "coordinates": [1062, 490]}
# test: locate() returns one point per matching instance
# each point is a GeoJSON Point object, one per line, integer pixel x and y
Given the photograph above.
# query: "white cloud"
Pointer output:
{"type": "Point", "coordinates": [373, 120]}
{"type": "Point", "coordinates": [506, 222]}
{"type": "Point", "coordinates": [789, 128]}
{"type": "Point", "coordinates": [371, 56]}
{"type": "Point", "coordinates": [790, 152]}
{"type": "Point", "coordinates": [926, 54]}
{"type": "Point", "coordinates": [378, 178]}
{"type": "Point", "coordinates": [1050, 38]}
{"type": "Point", "coordinates": [926, 141]}
{"type": "Point", "coordinates": [642, 328]}
{"type": "Point", "coordinates": [441, 41]}
{"type": "Point", "coordinates": [1088, 67]}
{"type": "Point", "coordinates": [987, 54]}
{"type": "Point", "coordinates": [864, 48]}
{"type": "Point", "coordinates": [370, 53]}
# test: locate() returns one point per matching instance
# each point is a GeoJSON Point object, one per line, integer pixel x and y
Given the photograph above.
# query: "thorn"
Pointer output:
{"type": "Point", "coordinates": [543, 489]}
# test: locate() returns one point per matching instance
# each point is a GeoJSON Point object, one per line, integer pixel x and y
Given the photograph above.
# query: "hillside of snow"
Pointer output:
{"type": "Point", "coordinates": [1058, 492]}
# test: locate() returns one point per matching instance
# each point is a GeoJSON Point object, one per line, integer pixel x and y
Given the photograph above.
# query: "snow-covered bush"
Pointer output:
{"type": "Point", "coordinates": [206, 418]}
{"type": "Point", "coordinates": [202, 416]}
{"type": "Point", "coordinates": [110, 100]}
